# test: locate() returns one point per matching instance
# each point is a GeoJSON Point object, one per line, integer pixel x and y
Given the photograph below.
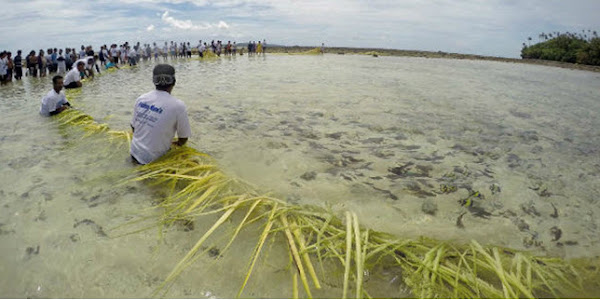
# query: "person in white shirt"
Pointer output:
{"type": "Point", "coordinates": [73, 77]}
{"type": "Point", "coordinates": [157, 116]}
{"type": "Point", "coordinates": [105, 56]}
{"type": "Point", "coordinates": [61, 64]}
{"type": "Point", "coordinates": [172, 50]}
{"type": "Point", "coordinates": [114, 53]}
{"type": "Point", "coordinates": [55, 101]}
{"type": "Point", "coordinates": [131, 54]}
{"type": "Point", "coordinates": [48, 58]}
{"type": "Point", "coordinates": [199, 46]}
{"type": "Point", "coordinates": [3, 68]}
{"type": "Point", "coordinates": [201, 49]}
{"type": "Point", "coordinates": [82, 52]}
{"type": "Point", "coordinates": [90, 63]}
{"type": "Point", "coordinates": [155, 51]}
{"type": "Point", "coordinates": [124, 51]}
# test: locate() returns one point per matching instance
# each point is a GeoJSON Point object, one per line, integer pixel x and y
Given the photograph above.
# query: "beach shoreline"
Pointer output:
{"type": "Point", "coordinates": [431, 54]}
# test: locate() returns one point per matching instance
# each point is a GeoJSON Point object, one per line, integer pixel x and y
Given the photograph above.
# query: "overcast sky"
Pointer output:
{"type": "Point", "coordinates": [484, 27]}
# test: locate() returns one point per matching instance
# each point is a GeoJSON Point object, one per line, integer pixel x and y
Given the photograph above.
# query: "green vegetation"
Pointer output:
{"type": "Point", "coordinates": [581, 48]}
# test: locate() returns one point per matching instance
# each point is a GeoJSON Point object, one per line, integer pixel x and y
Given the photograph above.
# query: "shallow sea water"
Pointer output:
{"type": "Point", "coordinates": [377, 136]}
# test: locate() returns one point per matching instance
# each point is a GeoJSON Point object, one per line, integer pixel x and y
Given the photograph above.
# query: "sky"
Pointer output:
{"type": "Point", "coordinates": [482, 27]}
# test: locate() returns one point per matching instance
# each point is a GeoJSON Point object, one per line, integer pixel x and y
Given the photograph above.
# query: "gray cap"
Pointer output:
{"type": "Point", "coordinates": [163, 75]}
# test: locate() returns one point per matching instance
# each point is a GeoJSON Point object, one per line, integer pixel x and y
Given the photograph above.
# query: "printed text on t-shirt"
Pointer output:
{"type": "Point", "coordinates": [151, 107]}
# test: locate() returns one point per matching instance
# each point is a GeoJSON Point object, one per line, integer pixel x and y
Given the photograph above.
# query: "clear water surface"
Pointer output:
{"type": "Point", "coordinates": [378, 136]}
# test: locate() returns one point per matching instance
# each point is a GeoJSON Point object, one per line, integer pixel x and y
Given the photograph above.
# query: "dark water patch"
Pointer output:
{"type": "Point", "coordinates": [415, 188]}
{"type": "Point", "coordinates": [555, 211]}
{"type": "Point", "coordinates": [276, 145]}
{"type": "Point", "coordinates": [383, 153]}
{"type": "Point", "coordinates": [387, 193]}
{"type": "Point", "coordinates": [529, 136]}
{"type": "Point", "coordinates": [521, 224]}
{"type": "Point", "coordinates": [97, 228]}
{"type": "Point", "coordinates": [74, 237]}
{"type": "Point", "coordinates": [529, 208]}
{"type": "Point", "coordinates": [429, 207]}
{"type": "Point", "coordinates": [41, 217]}
{"type": "Point", "coordinates": [308, 176]}
{"type": "Point", "coordinates": [32, 251]}
{"type": "Point", "coordinates": [520, 114]}
{"type": "Point", "coordinates": [316, 114]}
{"type": "Point", "coordinates": [409, 147]}
{"type": "Point", "coordinates": [24, 163]}
{"type": "Point", "coordinates": [513, 160]}
{"type": "Point", "coordinates": [495, 188]}
{"type": "Point", "coordinates": [314, 145]}
{"type": "Point", "coordinates": [377, 140]}
{"type": "Point", "coordinates": [400, 137]}
{"type": "Point", "coordinates": [555, 233]}
{"type": "Point", "coordinates": [4, 231]}
{"type": "Point", "coordinates": [335, 135]}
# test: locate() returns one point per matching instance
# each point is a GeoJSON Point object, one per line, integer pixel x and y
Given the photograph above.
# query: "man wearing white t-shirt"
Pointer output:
{"type": "Point", "coordinates": [82, 52]}
{"type": "Point", "coordinates": [157, 116]}
{"type": "Point", "coordinates": [73, 77]}
{"type": "Point", "coordinates": [54, 102]}
{"type": "Point", "coordinates": [114, 53]}
{"type": "Point", "coordinates": [165, 51]}
{"type": "Point", "coordinates": [89, 64]}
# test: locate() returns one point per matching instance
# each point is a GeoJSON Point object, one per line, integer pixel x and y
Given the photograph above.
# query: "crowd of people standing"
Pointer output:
{"type": "Point", "coordinates": [60, 61]}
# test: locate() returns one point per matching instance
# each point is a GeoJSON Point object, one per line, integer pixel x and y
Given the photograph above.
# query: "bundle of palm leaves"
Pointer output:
{"type": "Point", "coordinates": [431, 269]}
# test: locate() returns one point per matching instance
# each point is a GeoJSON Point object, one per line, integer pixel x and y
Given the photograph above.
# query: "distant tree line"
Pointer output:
{"type": "Point", "coordinates": [581, 48]}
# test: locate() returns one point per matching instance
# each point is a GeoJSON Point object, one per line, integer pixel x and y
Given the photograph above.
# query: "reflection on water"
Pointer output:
{"type": "Point", "coordinates": [503, 153]}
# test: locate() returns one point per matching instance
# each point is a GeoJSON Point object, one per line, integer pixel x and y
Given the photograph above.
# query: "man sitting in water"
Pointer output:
{"type": "Point", "coordinates": [73, 77]}
{"type": "Point", "coordinates": [54, 102]}
{"type": "Point", "coordinates": [157, 116]}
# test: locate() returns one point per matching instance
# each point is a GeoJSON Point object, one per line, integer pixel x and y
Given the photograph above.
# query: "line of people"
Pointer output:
{"type": "Point", "coordinates": [61, 61]}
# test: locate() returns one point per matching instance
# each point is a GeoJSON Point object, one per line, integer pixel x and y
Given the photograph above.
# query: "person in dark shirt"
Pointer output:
{"type": "Point", "coordinates": [10, 67]}
{"type": "Point", "coordinates": [18, 66]}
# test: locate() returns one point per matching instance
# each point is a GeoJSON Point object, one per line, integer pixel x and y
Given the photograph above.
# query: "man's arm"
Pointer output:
{"type": "Point", "coordinates": [58, 110]}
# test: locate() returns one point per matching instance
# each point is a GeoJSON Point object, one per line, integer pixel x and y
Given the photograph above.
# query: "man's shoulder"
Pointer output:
{"type": "Point", "coordinates": [51, 94]}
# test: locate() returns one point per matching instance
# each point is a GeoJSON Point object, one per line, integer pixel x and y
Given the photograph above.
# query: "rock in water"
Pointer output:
{"type": "Point", "coordinates": [429, 207]}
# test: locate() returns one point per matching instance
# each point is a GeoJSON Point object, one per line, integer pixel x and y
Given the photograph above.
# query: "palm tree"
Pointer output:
{"type": "Point", "coordinates": [529, 39]}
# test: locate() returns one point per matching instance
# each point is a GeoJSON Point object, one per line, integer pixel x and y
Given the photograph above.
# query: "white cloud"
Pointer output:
{"type": "Point", "coordinates": [188, 25]}
{"type": "Point", "coordinates": [222, 25]}
{"type": "Point", "coordinates": [150, 28]}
